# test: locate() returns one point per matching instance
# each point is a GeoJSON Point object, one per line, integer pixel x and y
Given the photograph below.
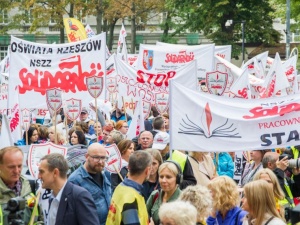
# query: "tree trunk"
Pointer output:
{"type": "Point", "coordinates": [133, 29]}
{"type": "Point", "coordinates": [99, 17]}
{"type": "Point", "coordinates": [62, 31]}
{"type": "Point", "coordinates": [111, 34]}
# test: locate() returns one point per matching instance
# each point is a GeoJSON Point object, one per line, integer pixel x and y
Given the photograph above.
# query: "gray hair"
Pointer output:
{"type": "Point", "coordinates": [117, 136]}
{"type": "Point", "coordinates": [57, 161]}
{"type": "Point", "coordinates": [187, 215]}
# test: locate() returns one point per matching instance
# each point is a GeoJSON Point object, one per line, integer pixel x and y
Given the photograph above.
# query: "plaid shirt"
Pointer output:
{"type": "Point", "coordinates": [17, 188]}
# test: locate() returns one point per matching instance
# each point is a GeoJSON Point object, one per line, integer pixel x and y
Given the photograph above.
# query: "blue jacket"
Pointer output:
{"type": "Point", "coordinates": [225, 165]}
{"type": "Point", "coordinates": [101, 196]}
{"type": "Point", "coordinates": [233, 215]}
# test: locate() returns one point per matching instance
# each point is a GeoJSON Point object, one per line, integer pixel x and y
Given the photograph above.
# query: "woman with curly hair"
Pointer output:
{"type": "Point", "coordinates": [270, 177]}
{"type": "Point", "coordinates": [199, 197]}
{"type": "Point", "coordinates": [225, 197]}
{"type": "Point", "coordinates": [259, 201]}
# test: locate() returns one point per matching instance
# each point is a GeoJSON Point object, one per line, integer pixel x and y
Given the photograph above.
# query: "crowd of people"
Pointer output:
{"type": "Point", "coordinates": [155, 185]}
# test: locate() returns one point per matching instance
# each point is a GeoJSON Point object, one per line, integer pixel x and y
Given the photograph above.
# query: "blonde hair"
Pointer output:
{"type": "Point", "coordinates": [199, 197]}
{"type": "Point", "coordinates": [182, 213]}
{"type": "Point", "coordinates": [170, 166]}
{"type": "Point", "coordinates": [261, 200]}
{"type": "Point", "coordinates": [278, 193]}
{"type": "Point", "coordinates": [61, 139]}
{"type": "Point", "coordinates": [226, 195]}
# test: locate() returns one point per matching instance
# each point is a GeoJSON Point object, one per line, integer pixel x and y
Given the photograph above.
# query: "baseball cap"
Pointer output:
{"type": "Point", "coordinates": [161, 140]}
{"type": "Point", "coordinates": [84, 110]}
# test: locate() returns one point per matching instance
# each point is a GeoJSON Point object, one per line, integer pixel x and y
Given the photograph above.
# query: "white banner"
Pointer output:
{"type": "Point", "coordinates": [39, 67]}
{"type": "Point", "coordinates": [140, 83]}
{"type": "Point", "coordinates": [163, 58]}
{"type": "Point", "coordinates": [201, 122]}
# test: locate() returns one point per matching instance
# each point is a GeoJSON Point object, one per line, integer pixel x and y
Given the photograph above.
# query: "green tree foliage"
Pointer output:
{"type": "Point", "coordinates": [210, 17]}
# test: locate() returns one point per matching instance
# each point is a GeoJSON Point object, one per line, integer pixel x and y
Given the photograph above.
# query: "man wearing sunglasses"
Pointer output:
{"type": "Point", "coordinates": [91, 177]}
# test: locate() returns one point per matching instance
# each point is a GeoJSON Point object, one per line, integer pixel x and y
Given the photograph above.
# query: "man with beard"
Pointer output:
{"type": "Point", "coordinates": [127, 204]}
{"type": "Point", "coordinates": [91, 177]}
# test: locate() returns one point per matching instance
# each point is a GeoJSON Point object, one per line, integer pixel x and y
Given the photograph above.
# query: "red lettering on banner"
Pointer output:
{"type": "Point", "coordinates": [276, 110]}
{"type": "Point", "coordinates": [156, 79]}
{"type": "Point", "coordinates": [290, 71]}
{"type": "Point", "coordinates": [182, 57]}
{"type": "Point", "coordinates": [243, 93]}
{"type": "Point", "coordinates": [68, 81]}
{"type": "Point", "coordinates": [279, 123]}
{"type": "Point", "coordinates": [221, 55]}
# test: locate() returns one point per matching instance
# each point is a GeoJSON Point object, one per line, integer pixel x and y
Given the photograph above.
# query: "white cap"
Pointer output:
{"type": "Point", "coordinates": [161, 140]}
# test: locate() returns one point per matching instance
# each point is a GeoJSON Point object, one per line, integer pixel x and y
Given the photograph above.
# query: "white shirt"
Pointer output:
{"type": "Point", "coordinates": [51, 218]}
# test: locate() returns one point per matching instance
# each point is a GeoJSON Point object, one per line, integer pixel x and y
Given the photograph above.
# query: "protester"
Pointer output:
{"type": "Point", "coordinates": [203, 167]}
{"type": "Point", "coordinates": [12, 183]}
{"type": "Point", "coordinates": [122, 126]}
{"type": "Point", "coordinates": [77, 138]}
{"type": "Point", "coordinates": [145, 140]}
{"type": "Point", "coordinates": [90, 176]}
{"type": "Point", "coordinates": [252, 167]}
{"type": "Point", "coordinates": [60, 138]}
{"type": "Point", "coordinates": [177, 213]}
{"type": "Point", "coordinates": [126, 148]}
{"type": "Point", "coordinates": [106, 131]}
{"type": "Point", "coordinates": [119, 114]}
{"type": "Point", "coordinates": [32, 135]}
{"type": "Point", "coordinates": [225, 197]}
{"type": "Point", "coordinates": [158, 124]}
{"type": "Point", "coordinates": [98, 130]}
{"type": "Point", "coordinates": [170, 177]}
{"type": "Point", "coordinates": [224, 164]}
{"type": "Point", "coordinates": [288, 186]}
{"type": "Point", "coordinates": [199, 196]}
{"type": "Point", "coordinates": [259, 201]}
{"type": "Point", "coordinates": [152, 183]}
{"type": "Point", "coordinates": [70, 204]}
{"type": "Point", "coordinates": [43, 134]}
{"type": "Point", "coordinates": [270, 177]}
{"type": "Point", "coordinates": [114, 137]}
{"type": "Point", "coordinates": [161, 142]}
{"type": "Point", "coordinates": [128, 193]}
{"type": "Point", "coordinates": [166, 120]}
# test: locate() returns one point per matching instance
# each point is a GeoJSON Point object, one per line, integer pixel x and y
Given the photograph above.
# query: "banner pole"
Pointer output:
{"type": "Point", "coordinates": [124, 109]}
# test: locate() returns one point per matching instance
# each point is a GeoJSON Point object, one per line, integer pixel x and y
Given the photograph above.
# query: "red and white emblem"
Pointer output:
{"type": "Point", "coordinates": [146, 109]}
{"type": "Point", "coordinates": [37, 151]}
{"type": "Point", "coordinates": [73, 108]}
{"type": "Point", "coordinates": [26, 118]}
{"type": "Point", "coordinates": [53, 98]}
{"type": "Point", "coordinates": [216, 82]}
{"type": "Point", "coordinates": [94, 85]}
{"type": "Point", "coordinates": [162, 102]}
{"type": "Point", "coordinates": [111, 84]}
{"type": "Point", "coordinates": [114, 161]}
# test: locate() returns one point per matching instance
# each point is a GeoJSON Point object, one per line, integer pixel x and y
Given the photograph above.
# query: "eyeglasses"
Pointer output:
{"type": "Point", "coordinates": [99, 158]}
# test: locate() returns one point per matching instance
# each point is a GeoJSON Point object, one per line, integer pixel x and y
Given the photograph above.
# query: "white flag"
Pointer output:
{"type": "Point", "coordinates": [241, 87]}
{"type": "Point", "coordinates": [5, 137]}
{"type": "Point", "coordinates": [137, 123]}
{"type": "Point", "coordinates": [276, 80]}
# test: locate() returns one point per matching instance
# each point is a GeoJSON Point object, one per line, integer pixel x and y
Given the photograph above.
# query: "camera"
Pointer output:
{"type": "Point", "coordinates": [16, 204]}
{"type": "Point", "coordinates": [293, 163]}
{"type": "Point", "coordinates": [15, 208]}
